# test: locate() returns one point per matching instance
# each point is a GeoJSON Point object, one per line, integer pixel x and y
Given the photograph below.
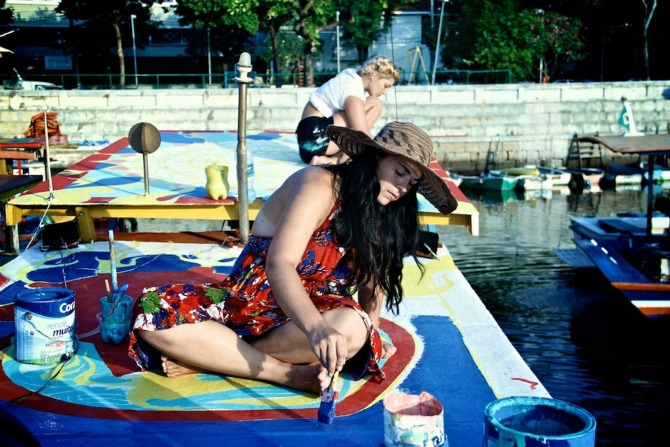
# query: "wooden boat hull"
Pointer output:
{"type": "Point", "coordinates": [629, 260]}
{"type": "Point", "coordinates": [488, 182]}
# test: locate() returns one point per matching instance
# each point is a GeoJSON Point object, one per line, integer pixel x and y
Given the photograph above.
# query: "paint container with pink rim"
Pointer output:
{"type": "Point", "coordinates": [412, 420]}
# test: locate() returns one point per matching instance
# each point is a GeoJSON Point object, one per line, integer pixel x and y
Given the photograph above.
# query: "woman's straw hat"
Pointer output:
{"type": "Point", "coordinates": [405, 140]}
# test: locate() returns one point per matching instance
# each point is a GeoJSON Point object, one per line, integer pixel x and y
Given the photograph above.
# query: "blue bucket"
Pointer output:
{"type": "Point", "coordinates": [45, 325]}
{"type": "Point", "coordinates": [525, 421]}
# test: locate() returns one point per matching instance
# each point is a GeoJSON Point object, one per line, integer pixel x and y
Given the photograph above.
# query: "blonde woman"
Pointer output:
{"type": "Point", "coordinates": [350, 99]}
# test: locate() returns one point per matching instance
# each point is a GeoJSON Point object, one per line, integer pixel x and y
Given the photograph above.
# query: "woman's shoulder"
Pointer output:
{"type": "Point", "coordinates": [313, 178]}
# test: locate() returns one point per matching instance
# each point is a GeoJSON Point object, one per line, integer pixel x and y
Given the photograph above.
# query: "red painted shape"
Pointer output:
{"type": "Point", "coordinates": [533, 384]}
{"type": "Point", "coordinates": [87, 295]}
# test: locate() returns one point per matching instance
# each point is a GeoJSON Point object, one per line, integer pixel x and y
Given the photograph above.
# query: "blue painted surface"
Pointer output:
{"type": "Point", "coordinates": [446, 370]}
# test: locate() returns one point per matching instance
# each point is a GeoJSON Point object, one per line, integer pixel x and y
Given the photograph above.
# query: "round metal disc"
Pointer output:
{"type": "Point", "coordinates": [144, 138]}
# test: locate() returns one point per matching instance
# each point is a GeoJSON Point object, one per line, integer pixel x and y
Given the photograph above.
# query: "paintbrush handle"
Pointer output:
{"type": "Point", "coordinates": [109, 291]}
{"type": "Point", "coordinates": [333, 381]}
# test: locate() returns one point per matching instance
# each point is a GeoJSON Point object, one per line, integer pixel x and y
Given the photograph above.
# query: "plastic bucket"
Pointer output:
{"type": "Point", "coordinates": [413, 421]}
{"type": "Point", "coordinates": [45, 325]}
{"type": "Point", "coordinates": [525, 421]}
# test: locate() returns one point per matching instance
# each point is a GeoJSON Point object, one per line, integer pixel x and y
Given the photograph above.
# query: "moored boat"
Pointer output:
{"type": "Point", "coordinates": [488, 182]}
{"type": "Point", "coordinates": [631, 251]}
{"type": "Point", "coordinates": [617, 175]}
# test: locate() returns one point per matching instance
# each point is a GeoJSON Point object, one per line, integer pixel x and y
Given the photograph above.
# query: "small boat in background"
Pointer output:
{"type": "Point", "coordinates": [585, 178]}
{"type": "Point", "coordinates": [617, 175]}
{"type": "Point", "coordinates": [488, 182]}
{"type": "Point", "coordinates": [558, 176]}
{"type": "Point", "coordinates": [632, 251]}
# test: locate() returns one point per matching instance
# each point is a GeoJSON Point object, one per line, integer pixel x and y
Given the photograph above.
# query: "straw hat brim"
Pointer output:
{"type": "Point", "coordinates": [431, 186]}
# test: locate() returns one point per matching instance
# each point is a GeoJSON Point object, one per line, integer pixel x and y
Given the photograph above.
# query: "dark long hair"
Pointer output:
{"type": "Point", "coordinates": [381, 236]}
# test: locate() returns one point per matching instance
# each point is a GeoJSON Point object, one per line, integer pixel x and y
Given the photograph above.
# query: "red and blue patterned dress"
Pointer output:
{"type": "Point", "coordinates": [244, 301]}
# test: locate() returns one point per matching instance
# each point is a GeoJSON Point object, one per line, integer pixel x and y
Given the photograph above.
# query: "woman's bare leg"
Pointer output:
{"type": "Point", "coordinates": [213, 347]}
{"type": "Point", "coordinates": [333, 154]}
{"type": "Point", "coordinates": [283, 356]}
{"type": "Point", "coordinates": [289, 344]}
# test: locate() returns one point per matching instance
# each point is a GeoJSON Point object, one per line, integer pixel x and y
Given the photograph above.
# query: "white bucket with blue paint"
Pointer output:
{"type": "Point", "coordinates": [526, 421]}
{"type": "Point", "coordinates": [45, 325]}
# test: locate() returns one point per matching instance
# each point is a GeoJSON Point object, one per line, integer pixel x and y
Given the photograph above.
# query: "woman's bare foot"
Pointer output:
{"type": "Point", "coordinates": [172, 368]}
{"type": "Point", "coordinates": [388, 349]}
{"type": "Point", "coordinates": [311, 378]}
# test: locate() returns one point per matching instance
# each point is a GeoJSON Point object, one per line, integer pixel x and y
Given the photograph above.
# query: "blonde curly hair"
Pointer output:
{"type": "Point", "coordinates": [380, 65]}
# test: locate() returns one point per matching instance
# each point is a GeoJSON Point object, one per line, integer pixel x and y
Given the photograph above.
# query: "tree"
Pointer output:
{"type": "Point", "coordinates": [276, 13]}
{"type": "Point", "coordinates": [212, 13]}
{"type": "Point", "coordinates": [522, 39]}
{"type": "Point", "coordinates": [648, 14]}
{"type": "Point", "coordinates": [102, 23]}
{"type": "Point", "coordinates": [5, 13]}
{"type": "Point", "coordinates": [313, 17]}
{"type": "Point", "coordinates": [248, 16]}
{"type": "Point", "coordinates": [364, 22]}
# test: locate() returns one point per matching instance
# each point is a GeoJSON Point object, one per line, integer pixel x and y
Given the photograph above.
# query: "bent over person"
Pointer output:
{"type": "Point", "coordinates": [286, 314]}
{"type": "Point", "coordinates": [350, 99]}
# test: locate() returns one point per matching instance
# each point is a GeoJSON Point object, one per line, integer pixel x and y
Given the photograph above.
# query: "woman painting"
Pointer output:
{"type": "Point", "coordinates": [350, 99]}
{"type": "Point", "coordinates": [286, 313]}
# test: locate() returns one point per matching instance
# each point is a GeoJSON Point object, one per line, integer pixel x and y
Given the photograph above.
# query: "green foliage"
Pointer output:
{"type": "Point", "coordinates": [518, 41]}
{"type": "Point", "coordinates": [96, 34]}
{"type": "Point", "coordinates": [216, 13]}
{"type": "Point", "coordinates": [5, 13]}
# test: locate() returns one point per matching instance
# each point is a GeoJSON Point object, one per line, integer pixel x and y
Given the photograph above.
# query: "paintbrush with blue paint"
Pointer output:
{"type": "Point", "coordinates": [329, 401]}
{"type": "Point", "coordinates": [118, 294]}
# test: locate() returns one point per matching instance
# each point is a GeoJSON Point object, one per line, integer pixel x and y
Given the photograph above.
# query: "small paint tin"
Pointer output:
{"type": "Point", "coordinates": [413, 421]}
{"type": "Point", "coordinates": [45, 325]}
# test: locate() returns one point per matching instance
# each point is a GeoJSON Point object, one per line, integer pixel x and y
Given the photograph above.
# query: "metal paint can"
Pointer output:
{"type": "Point", "coordinates": [526, 421]}
{"type": "Point", "coordinates": [45, 325]}
{"type": "Point", "coordinates": [413, 421]}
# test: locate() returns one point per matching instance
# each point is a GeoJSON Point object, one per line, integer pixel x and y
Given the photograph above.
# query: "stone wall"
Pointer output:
{"type": "Point", "coordinates": [524, 123]}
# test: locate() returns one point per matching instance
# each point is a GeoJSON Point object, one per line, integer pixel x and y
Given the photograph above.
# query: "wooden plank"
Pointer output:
{"type": "Point", "coordinates": [16, 155]}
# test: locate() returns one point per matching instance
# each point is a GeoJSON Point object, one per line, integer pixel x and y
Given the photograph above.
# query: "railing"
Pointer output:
{"type": "Point", "coordinates": [227, 79]}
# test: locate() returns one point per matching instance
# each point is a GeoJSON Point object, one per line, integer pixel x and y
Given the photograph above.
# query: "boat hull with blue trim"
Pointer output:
{"type": "Point", "coordinates": [630, 260]}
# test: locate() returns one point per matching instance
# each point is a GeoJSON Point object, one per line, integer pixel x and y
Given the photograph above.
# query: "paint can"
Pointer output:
{"type": "Point", "coordinates": [413, 421]}
{"type": "Point", "coordinates": [527, 421]}
{"type": "Point", "coordinates": [45, 325]}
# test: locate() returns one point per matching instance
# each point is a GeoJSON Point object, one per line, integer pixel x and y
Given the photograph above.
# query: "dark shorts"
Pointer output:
{"type": "Point", "coordinates": [312, 137]}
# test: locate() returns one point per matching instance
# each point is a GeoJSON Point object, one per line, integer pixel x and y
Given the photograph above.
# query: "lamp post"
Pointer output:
{"type": "Point", "coordinates": [541, 75]}
{"type": "Point", "coordinates": [243, 67]}
{"type": "Point", "coordinates": [437, 46]}
{"type": "Point", "coordinates": [132, 28]}
{"type": "Point", "coordinates": [337, 39]}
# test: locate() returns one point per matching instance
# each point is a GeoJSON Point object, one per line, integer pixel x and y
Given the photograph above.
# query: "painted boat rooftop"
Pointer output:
{"type": "Point", "coordinates": [449, 345]}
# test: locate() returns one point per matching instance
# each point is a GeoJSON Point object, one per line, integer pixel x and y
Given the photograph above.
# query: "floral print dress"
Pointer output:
{"type": "Point", "coordinates": [244, 301]}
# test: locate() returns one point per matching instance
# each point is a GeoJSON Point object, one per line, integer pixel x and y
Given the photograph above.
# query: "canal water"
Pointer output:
{"type": "Point", "coordinates": [585, 342]}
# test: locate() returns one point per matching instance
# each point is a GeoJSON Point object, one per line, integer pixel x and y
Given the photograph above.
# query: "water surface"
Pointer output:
{"type": "Point", "coordinates": [586, 343]}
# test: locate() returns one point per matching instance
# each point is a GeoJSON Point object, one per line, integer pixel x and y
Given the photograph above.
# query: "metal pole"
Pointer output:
{"type": "Point", "coordinates": [541, 11]}
{"type": "Point", "coordinates": [244, 67]}
{"type": "Point", "coordinates": [47, 161]}
{"type": "Point", "coordinates": [337, 39]}
{"type": "Point", "coordinates": [437, 46]}
{"type": "Point", "coordinates": [132, 28]}
{"type": "Point", "coordinates": [209, 57]}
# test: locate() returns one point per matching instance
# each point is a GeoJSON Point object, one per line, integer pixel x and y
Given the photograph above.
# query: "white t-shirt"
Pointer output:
{"type": "Point", "coordinates": [329, 98]}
